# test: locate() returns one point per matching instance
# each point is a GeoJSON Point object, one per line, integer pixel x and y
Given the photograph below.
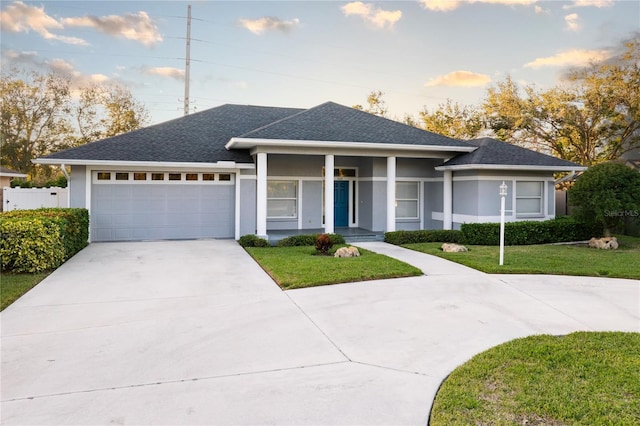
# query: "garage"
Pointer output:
{"type": "Point", "coordinates": [160, 205]}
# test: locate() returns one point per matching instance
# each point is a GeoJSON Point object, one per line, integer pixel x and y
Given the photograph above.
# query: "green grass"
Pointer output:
{"type": "Point", "coordinates": [299, 267]}
{"type": "Point", "coordinates": [548, 259]}
{"type": "Point", "coordinates": [584, 378]}
{"type": "Point", "coordinates": [12, 286]}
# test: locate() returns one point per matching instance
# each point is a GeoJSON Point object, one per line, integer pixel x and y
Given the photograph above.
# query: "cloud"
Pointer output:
{"type": "Point", "coordinates": [449, 5]}
{"type": "Point", "coordinates": [19, 17]}
{"type": "Point", "coordinates": [573, 57]}
{"type": "Point", "coordinates": [268, 23]}
{"type": "Point", "coordinates": [460, 79]}
{"type": "Point", "coordinates": [137, 27]}
{"type": "Point", "coordinates": [589, 3]}
{"type": "Point", "coordinates": [170, 72]}
{"type": "Point", "coordinates": [540, 10]}
{"type": "Point", "coordinates": [76, 78]}
{"type": "Point", "coordinates": [572, 21]}
{"type": "Point", "coordinates": [378, 17]}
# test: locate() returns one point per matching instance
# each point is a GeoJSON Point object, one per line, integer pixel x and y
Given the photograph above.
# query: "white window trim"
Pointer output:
{"type": "Point", "coordinates": [165, 181]}
{"type": "Point", "coordinates": [296, 182]}
{"type": "Point", "coordinates": [417, 200]}
{"type": "Point", "coordinates": [542, 197]}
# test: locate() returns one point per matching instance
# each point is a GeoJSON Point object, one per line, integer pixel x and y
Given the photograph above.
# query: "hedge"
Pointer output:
{"type": "Point", "coordinates": [529, 232]}
{"type": "Point", "coordinates": [30, 245]}
{"type": "Point", "coordinates": [308, 240]}
{"type": "Point", "coordinates": [73, 224]}
{"type": "Point", "coordinates": [251, 240]}
{"type": "Point", "coordinates": [423, 236]}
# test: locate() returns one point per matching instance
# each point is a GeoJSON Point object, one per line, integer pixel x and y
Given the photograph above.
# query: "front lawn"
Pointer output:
{"type": "Point", "coordinates": [548, 259]}
{"type": "Point", "coordinates": [299, 267]}
{"type": "Point", "coordinates": [15, 285]}
{"type": "Point", "coordinates": [584, 378]}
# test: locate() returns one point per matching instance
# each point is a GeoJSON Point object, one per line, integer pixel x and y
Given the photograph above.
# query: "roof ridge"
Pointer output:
{"type": "Point", "coordinates": [266, 126]}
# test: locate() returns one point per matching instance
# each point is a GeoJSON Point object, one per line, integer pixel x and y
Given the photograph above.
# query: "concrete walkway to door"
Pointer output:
{"type": "Point", "coordinates": [194, 332]}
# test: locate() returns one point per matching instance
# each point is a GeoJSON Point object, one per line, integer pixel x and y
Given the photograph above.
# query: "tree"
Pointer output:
{"type": "Point", "coordinates": [376, 104]}
{"type": "Point", "coordinates": [33, 117]}
{"type": "Point", "coordinates": [39, 115]}
{"type": "Point", "coordinates": [607, 193]}
{"type": "Point", "coordinates": [453, 120]}
{"type": "Point", "coordinates": [593, 118]}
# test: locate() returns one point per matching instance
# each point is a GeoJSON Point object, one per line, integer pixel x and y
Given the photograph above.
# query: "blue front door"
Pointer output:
{"type": "Point", "coordinates": [341, 203]}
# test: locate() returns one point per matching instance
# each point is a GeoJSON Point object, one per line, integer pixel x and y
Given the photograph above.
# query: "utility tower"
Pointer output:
{"type": "Point", "coordinates": [187, 62]}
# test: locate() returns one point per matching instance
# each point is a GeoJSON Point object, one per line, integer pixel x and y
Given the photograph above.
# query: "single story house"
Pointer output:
{"type": "Point", "coordinates": [235, 169]}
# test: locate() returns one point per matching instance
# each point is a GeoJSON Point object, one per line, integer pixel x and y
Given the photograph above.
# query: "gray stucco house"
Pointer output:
{"type": "Point", "coordinates": [235, 170]}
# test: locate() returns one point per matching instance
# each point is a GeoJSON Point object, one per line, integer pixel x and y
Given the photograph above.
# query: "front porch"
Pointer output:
{"type": "Point", "coordinates": [351, 235]}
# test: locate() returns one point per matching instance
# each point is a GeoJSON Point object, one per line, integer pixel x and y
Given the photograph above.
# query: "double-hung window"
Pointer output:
{"type": "Point", "coordinates": [282, 199]}
{"type": "Point", "coordinates": [407, 200]}
{"type": "Point", "coordinates": [529, 196]}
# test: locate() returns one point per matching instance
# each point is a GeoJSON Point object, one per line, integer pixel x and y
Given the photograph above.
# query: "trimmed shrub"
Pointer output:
{"type": "Point", "coordinates": [30, 244]}
{"type": "Point", "coordinates": [308, 240]}
{"type": "Point", "coordinates": [529, 232]}
{"type": "Point", "coordinates": [424, 236]}
{"type": "Point", "coordinates": [73, 224]}
{"type": "Point", "coordinates": [323, 243]}
{"type": "Point", "coordinates": [251, 240]}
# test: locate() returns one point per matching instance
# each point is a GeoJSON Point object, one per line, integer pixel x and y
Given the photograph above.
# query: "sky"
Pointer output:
{"type": "Point", "coordinates": [304, 53]}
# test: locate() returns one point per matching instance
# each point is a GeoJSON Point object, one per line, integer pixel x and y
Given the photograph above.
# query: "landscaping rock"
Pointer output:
{"type": "Point", "coordinates": [453, 248]}
{"type": "Point", "coordinates": [347, 252]}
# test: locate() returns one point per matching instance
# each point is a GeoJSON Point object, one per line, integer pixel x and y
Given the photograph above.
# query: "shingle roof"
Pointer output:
{"type": "Point", "coordinates": [337, 123]}
{"type": "Point", "coordinates": [498, 153]}
{"type": "Point", "coordinates": [5, 171]}
{"type": "Point", "coordinates": [197, 138]}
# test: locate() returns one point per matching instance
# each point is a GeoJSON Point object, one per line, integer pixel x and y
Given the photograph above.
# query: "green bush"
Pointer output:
{"type": "Point", "coordinates": [73, 224]}
{"type": "Point", "coordinates": [30, 244]}
{"type": "Point", "coordinates": [423, 236]}
{"type": "Point", "coordinates": [308, 240]}
{"type": "Point", "coordinates": [529, 232]}
{"type": "Point", "coordinates": [251, 240]}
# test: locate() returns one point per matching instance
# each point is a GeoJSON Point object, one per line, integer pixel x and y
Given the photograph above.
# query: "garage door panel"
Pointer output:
{"type": "Point", "coordinates": [147, 211]}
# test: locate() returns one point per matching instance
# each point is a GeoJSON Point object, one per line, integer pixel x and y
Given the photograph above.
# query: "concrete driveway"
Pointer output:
{"type": "Point", "coordinates": [194, 332]}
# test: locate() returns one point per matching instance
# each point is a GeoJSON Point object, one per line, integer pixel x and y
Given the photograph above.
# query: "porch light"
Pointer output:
{"type": "Point", "coordinates": [503, 194]}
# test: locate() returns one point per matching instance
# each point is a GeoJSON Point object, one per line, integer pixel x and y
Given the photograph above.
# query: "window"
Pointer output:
{"type": "Point", "coordinates": [191, 176]}
{"type": "Point", "coordinates": [282, 199]}
{"type": "Point", "coordinates": [529, 198]}
{"type": "Point", "coordinates": [407, 200]}
{"type": "Point", "coordinates": [157, 176]}
{"type": "Point", "coordinates": [224, 177]}
{"type": "Point", "coordinates": [139, 176]}
{"type": "Point", "coordinates": [104, 176]}
{"type": "Point", "coordinates": [208, 176]}
{"type": "Point", "coordinates": [175, 176]}
{"type": "Point", "coordinates": [122, 176]}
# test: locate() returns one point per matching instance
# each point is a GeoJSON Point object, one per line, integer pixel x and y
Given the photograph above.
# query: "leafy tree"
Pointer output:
{"type": "Point", "coordinates": [33, 117]}
{"type": "Point", "coordinates": [376, 104]}
{"type": "Point", "coordinates": [594, 118]}
{"type": "Point", "coordinates": [608, 193]}
{"type": "Point", "coordinates": [39, 115]}
{"type": "Point", "coordinates": [453, 119]}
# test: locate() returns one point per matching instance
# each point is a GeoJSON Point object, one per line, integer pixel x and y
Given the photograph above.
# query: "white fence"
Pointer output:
{"type": "Point", "coordinates": [34, 198]}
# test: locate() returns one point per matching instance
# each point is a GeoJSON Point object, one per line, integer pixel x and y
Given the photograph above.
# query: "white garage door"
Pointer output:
{"type": "Point", "coordinates": [129, 206]}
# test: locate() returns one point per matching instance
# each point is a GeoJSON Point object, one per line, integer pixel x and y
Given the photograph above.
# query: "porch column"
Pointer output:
{"type": "Point", "coordinates": [447, 200]}
{"type": "Point", "coordinates": [261, 194]}
{"type": "Point", "coordinates": [328, 193]}
{"type": "Point", "coordinates": [391, 194]}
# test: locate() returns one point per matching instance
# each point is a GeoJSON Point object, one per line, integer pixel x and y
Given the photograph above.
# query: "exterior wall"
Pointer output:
{"type": "Point", "coordinates": [311, 204]}
{"type": "Point", "coordinates": [365, 208]}
{"type": "Point", "coordinates": [433, 198]}
{"type": "Point", "coordinates": [247, 205]}
{"type": "Point", "coordinates": [77, 187]}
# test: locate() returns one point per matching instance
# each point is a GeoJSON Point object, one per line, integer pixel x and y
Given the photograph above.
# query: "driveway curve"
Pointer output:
{"type": "Point", "coordinates": [194, 332]}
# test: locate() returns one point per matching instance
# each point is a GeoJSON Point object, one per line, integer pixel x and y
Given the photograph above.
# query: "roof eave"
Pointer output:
{"type": "Point", "coordinates": [249, 143]}
{"type": "Point", "coordinates": [511, 167]}
{"type": "Point", "coordinates": [117, 163]}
